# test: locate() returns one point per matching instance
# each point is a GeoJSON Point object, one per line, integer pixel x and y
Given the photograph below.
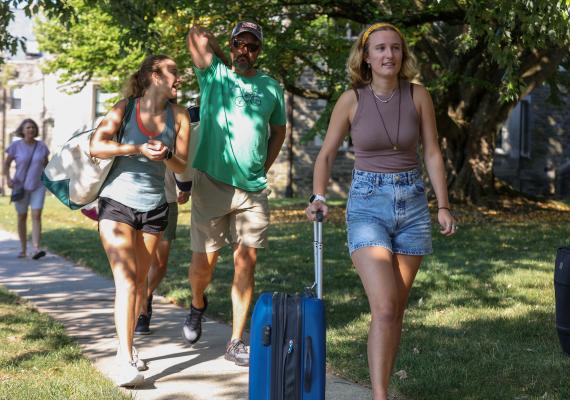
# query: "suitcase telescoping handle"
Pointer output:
{"type": "Point", "coordinates": [318, 250]}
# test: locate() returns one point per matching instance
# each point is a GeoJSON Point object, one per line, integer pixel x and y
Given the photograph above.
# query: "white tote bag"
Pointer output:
{"type": "Point", "coordinates": [75, 177]}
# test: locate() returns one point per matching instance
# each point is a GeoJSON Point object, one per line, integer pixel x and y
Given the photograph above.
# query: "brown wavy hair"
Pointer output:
{"type": "Point", "coordinates": [20, 130]}
{"type": "Point", "coordinates": [140, 80]}
{"type": "Point", "coordinates": [360, 73]}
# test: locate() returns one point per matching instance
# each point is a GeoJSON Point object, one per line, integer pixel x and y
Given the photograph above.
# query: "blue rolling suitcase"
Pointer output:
{"type": "Point", "coordinates": [287, 340]}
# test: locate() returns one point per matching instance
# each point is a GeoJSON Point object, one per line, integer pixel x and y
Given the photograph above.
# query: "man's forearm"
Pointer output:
{"type": "Point", "coordinates": [216, 49]}
{"type": "Point", "coordinates": [202, 45]}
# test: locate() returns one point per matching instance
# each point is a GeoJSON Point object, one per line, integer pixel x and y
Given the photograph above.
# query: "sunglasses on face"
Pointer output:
{"type": "Point", "coordinates": [239, 44]}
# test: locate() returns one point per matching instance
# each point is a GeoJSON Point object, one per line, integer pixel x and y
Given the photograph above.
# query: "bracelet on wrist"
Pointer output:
{"type": "Point", "coordinates": [444, 208]}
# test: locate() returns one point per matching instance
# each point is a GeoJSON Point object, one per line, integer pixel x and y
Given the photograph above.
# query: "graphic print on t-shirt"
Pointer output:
{"type": "Point", "coordinates": [244, 95]}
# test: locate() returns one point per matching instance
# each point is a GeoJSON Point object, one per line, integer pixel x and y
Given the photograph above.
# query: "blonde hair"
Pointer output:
{"type": "Point", "coordinates": [360, 73]}
{"type": "Point", "coordinates": [140, 80]}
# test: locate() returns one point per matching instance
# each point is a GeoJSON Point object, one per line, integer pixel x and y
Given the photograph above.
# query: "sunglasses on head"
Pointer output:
{"type": "Point", "coordinates": [251, 47]}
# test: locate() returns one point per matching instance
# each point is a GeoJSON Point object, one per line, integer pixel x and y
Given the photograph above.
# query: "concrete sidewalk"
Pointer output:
{"type": "Point", "coordinates": [83, 302]}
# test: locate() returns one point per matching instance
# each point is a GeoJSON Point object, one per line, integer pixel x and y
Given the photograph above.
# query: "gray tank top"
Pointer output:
{"type": "Point", "coordinates": [136, 181]}
{"type": "Point", "coordinates": [374, 150]}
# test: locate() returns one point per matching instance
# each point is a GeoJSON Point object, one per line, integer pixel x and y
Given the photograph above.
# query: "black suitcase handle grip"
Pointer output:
{"type": "Point", "coordinates": [320, 216]}
{"type": "Point", "coordinates": [308, 378]}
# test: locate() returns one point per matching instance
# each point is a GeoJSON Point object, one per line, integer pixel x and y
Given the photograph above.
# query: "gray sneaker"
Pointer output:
{"type": "Point", "coordinates": [238, 352]}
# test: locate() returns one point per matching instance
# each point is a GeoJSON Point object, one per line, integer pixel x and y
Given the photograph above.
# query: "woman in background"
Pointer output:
{"type": "Point", "coordinates": [31, 156]}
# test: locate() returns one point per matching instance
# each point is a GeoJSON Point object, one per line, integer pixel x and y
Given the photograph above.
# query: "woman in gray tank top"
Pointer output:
{"type": "Point", "coordinates": [133, 211]}
{"type": "Point", "coordinates": [388, 222]}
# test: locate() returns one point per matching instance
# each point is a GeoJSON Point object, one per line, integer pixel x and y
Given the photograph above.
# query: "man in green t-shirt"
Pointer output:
{"type": "Point", "coordinates": [242, 117]}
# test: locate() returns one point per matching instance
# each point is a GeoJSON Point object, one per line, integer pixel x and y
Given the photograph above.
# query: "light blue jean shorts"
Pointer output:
{"type": "Point", "coordinates": [388, 210]}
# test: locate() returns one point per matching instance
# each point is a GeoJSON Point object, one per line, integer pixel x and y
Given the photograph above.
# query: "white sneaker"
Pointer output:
{"type": "Point", "coordinates": [141, 365]}
{"type": "Point", "coordinates": [129, 375]}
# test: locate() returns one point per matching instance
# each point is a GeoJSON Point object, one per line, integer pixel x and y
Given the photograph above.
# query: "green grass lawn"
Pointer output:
{"type": "Point", "coordinates": [38, 361]}
{"type": "Point", "coordinates": [480, 323]}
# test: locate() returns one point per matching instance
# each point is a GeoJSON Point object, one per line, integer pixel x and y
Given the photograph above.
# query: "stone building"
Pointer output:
{"type": "Point", "coordinates": [533, 147]}
{"type": "Point", "coordinates": [26, 92]}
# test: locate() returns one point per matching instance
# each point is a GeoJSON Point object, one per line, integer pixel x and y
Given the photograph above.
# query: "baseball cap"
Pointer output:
{"type": "Point", "coordinates": [248, 26]}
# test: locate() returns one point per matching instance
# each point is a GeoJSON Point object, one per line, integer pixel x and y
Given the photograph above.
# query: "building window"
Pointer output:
{"type": "Point", "coordinates": [16, 98]}
{"type": "Point", "coordinates": [524, 129]}
{"type": "Point", "coordinates": [101, 102]}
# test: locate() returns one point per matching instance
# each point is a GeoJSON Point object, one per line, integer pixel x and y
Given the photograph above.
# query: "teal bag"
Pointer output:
{"type": "Point", "coordinates": [72, 175]}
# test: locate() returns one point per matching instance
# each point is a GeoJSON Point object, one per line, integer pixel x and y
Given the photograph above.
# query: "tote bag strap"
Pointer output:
{"type": "Point", "coordinates": [29, 162]}
{"type": "Point", "coordinates": [128, 111]}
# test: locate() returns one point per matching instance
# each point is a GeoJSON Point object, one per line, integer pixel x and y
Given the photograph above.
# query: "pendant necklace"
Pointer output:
{"type": "Point", "coordinates": [394, 145]}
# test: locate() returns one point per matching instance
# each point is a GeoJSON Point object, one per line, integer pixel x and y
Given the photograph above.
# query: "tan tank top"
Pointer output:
{"type": "Point", "coordinates": [375, 149]}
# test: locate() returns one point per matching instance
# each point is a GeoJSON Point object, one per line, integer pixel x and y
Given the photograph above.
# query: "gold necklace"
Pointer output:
{"type": "Point", "coordinates": [374, 97]}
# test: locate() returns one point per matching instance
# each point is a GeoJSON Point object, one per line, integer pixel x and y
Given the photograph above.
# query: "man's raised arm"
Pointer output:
{"type": "Point", "coordinates": [202, 45]}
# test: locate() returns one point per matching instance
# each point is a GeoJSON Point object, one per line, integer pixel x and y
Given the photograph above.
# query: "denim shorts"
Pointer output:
{"type": "Point", "coordinates": [388, 210]}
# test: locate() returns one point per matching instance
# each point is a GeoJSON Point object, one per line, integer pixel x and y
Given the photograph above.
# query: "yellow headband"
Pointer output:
{"type": "Point", "coordinates": [377, 26]}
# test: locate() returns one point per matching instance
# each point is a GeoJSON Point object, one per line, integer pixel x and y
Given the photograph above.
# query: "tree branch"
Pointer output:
{"type": "Point", "coordinates": [306, 93]}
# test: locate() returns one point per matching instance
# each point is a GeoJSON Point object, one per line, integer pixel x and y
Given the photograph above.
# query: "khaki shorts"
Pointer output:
{"type": "Point", "coordinates": [222, 214]}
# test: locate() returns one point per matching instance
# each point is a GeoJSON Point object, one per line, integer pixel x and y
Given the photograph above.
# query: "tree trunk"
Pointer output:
{"type": "Point", "coordinates": [471, 153]}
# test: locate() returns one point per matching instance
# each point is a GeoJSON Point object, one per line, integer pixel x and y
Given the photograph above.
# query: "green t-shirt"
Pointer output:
{"type": "Point", "coordinates": [235, 114]}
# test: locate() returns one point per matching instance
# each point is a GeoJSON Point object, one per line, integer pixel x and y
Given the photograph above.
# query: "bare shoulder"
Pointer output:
{"type": "Point", "coordinates": [178, 108]}
{"type": "Point", "coordinates": [346, 104]}
{"type": "Point", "coordinates": [121, 105]}
{"type": "Point", "coordinates": [347, 101]}
{"type": "Point", "coordinates": [420, 91]}
{"type": "Point", "coordinates": [179, 111]}
{"type": "Point", "coordinates": [123, 102]}
{"type": "Point", "coordinates": [348, 97]}
{"type": "Point", "coordinates": [118, 111]}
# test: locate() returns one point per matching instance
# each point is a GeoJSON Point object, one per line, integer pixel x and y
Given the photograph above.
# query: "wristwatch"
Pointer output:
{"type": "Point", "coordinates": [168, 155]}
{"type": "Point", "coordinates": [317, 197]}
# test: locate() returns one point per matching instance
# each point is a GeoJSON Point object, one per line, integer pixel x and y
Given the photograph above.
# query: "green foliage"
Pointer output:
{"type": "Point", "coordinates": [7, 41]}
{"type": "Point", "coordinates": [88, 49]}
{"type": "Point", "coordinates": [477, 57]}
{"type": "Point", "coordinates": [56, 10]}
{"type": "Point", "coordinates": [474, 42]}
{"type": "Point", "coordinates": [511, 28]}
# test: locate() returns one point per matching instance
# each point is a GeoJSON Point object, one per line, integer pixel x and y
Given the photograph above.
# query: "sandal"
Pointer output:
{"type": "Point", "coordinates": [39, 255]}
{"type": "Point", "coordinates": [21, 255]}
